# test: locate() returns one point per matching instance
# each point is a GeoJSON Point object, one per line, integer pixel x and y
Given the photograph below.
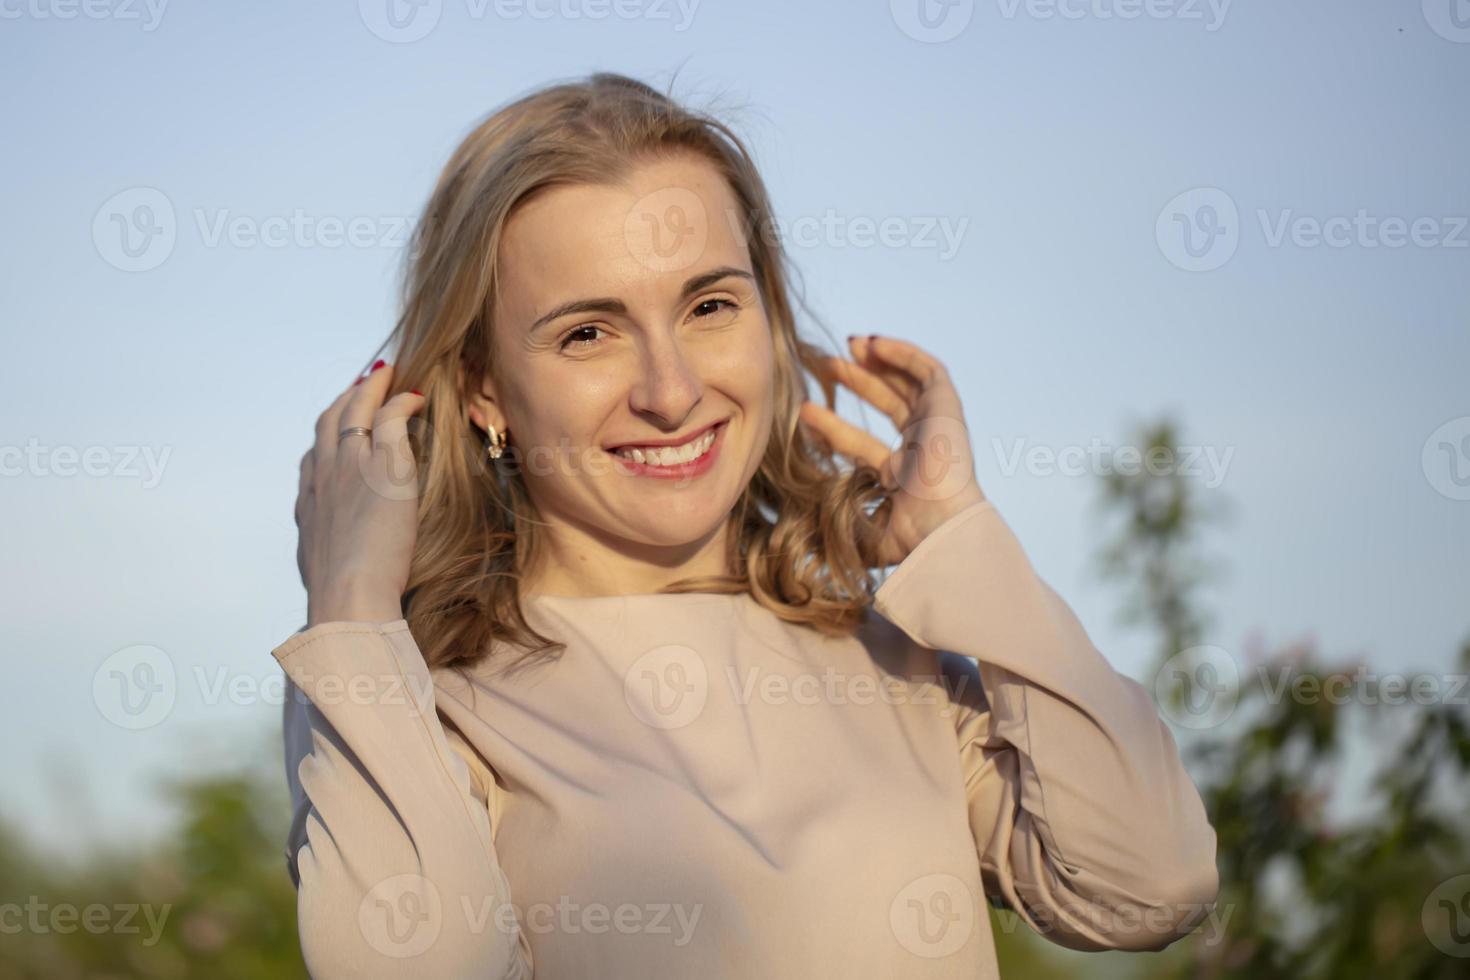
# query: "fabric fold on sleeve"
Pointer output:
{"type": "Point", "coordinates": [1086, 823]}
{"type": "Point", "coordinates": [390, 846]}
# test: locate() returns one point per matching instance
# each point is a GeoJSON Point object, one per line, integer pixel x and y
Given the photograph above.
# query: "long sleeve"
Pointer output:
{"type": "Point", "coordinates": [1087, 824]}
{"type": "Point", "coordinates": [390, 844]}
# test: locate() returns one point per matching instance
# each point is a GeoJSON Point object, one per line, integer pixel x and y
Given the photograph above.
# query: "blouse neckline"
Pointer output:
{"type": "Point", "coordinates": [631, 596]}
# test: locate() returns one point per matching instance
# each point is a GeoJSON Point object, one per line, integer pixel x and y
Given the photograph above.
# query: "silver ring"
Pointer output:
{"type": "Point", "coordinates": [354, 431]}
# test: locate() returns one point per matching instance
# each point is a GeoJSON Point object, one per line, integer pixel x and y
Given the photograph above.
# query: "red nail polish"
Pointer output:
{"type": "Point", "coordinates": [417, 392]}
{"type": "Point", "coordinates": [357, 382]}
{"type": "Point", "coordinates": [377, 365]}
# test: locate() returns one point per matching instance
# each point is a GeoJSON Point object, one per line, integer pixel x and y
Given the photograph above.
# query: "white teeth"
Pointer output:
{"type": "Point", "coordinates": [670, 455]}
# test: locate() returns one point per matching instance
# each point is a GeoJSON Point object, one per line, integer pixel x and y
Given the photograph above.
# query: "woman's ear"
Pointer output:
{"type": "Point", "coordinates": [481, 404]}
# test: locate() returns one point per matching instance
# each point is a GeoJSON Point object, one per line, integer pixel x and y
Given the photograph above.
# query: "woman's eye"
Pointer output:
{"type": "Point", "coordinates": [571, 338]}
{"type": "Point", "coordinates": [720, 305]}
{"type": "Point", "coordinates": [586, 336]}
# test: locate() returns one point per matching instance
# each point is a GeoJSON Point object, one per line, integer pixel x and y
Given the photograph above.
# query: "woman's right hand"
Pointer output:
{"type": "Point", "coordinates": [357, 505]}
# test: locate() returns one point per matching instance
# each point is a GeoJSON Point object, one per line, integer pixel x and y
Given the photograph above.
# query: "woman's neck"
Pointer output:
{"type": "Point", "coordinates": [576, 560]}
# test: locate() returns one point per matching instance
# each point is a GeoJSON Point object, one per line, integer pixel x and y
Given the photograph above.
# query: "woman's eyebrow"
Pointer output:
{"type": "Point", "coordinates": [610, 305]}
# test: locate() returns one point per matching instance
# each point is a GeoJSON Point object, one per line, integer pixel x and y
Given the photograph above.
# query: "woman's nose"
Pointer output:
{"type": "Point", "coordinates": [668, 384]}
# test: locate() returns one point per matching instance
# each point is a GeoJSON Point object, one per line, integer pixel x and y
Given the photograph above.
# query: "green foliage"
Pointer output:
{"type": "Point", "coordinates": [1304, 892]}
{"type": "Point", "coordinates": [211, 901]}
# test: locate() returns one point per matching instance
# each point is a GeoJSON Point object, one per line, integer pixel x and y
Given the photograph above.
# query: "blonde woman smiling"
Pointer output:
{"type": "Point", "coordinates": [597, 679]}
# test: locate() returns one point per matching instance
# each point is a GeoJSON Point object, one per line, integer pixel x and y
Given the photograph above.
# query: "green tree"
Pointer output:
{"type": "Point", "coordinates": [1304, 892]}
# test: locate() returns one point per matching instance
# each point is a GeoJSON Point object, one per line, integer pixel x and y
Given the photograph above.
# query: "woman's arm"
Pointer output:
{"type": "Point", "coordinates": [391, 845]}
{"type": "Point", "coordinates": [1086, 822]}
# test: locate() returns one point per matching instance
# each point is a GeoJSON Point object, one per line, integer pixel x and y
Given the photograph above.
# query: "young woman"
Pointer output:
{"type": "Point", "coordinates": [596, 681]}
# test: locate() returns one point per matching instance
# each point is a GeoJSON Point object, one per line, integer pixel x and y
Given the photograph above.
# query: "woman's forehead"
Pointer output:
{"type": "Point", "coordinates": [645, 236]}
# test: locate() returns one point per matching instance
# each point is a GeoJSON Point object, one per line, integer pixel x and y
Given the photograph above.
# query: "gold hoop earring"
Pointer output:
{"type": "Point", "coordinates": [496, 445]}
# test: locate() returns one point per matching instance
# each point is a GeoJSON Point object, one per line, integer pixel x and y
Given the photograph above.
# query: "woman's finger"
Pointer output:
{"type": "Point", "coordinates": [390, 424]}
{"type": "Point", "coordinates": [900, 355]}
{"type": "Point", "coordinates": [895, 377]}
{"type": "Point", "coordinates": [844, 437]}
{"type": "Point", "coordinates": [324, 451]}
{"type": "Point", "coordinates": [304, 487]}
{"type": "Point", "coordinates": [367, 398]}
{"type": "Point", "coordinates": [868, 385]}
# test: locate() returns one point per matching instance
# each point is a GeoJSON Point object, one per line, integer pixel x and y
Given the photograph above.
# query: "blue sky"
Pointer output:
{"type": "Point", "coordinates": [1065, 149]}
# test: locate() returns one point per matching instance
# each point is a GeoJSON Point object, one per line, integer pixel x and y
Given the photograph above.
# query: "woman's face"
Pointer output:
{"type": "Point", "coordinates": [628, 316]}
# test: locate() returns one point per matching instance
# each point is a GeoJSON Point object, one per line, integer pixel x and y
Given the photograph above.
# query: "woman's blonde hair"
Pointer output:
{"type": "Point", "coordinates": [801, 535]}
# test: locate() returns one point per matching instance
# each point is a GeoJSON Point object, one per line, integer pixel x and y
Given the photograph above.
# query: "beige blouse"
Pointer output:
{"type": "Point", "coordinates": [698, 789]}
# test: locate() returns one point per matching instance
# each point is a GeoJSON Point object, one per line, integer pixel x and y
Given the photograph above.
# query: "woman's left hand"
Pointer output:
{"type": "Point", "coordinates": [932, 473]}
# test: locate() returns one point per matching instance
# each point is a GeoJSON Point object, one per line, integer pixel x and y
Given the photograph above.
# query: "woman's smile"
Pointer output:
{"type": "Point", "coordinates": [690, 459]}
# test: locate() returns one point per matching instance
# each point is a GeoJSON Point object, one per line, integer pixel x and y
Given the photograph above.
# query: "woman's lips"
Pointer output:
{"type": "Point", "coordinates": [678, 471]}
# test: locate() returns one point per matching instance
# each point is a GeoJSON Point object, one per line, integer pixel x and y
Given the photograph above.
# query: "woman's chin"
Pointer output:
{"type": "Point", "coordinates": [674, 522]}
